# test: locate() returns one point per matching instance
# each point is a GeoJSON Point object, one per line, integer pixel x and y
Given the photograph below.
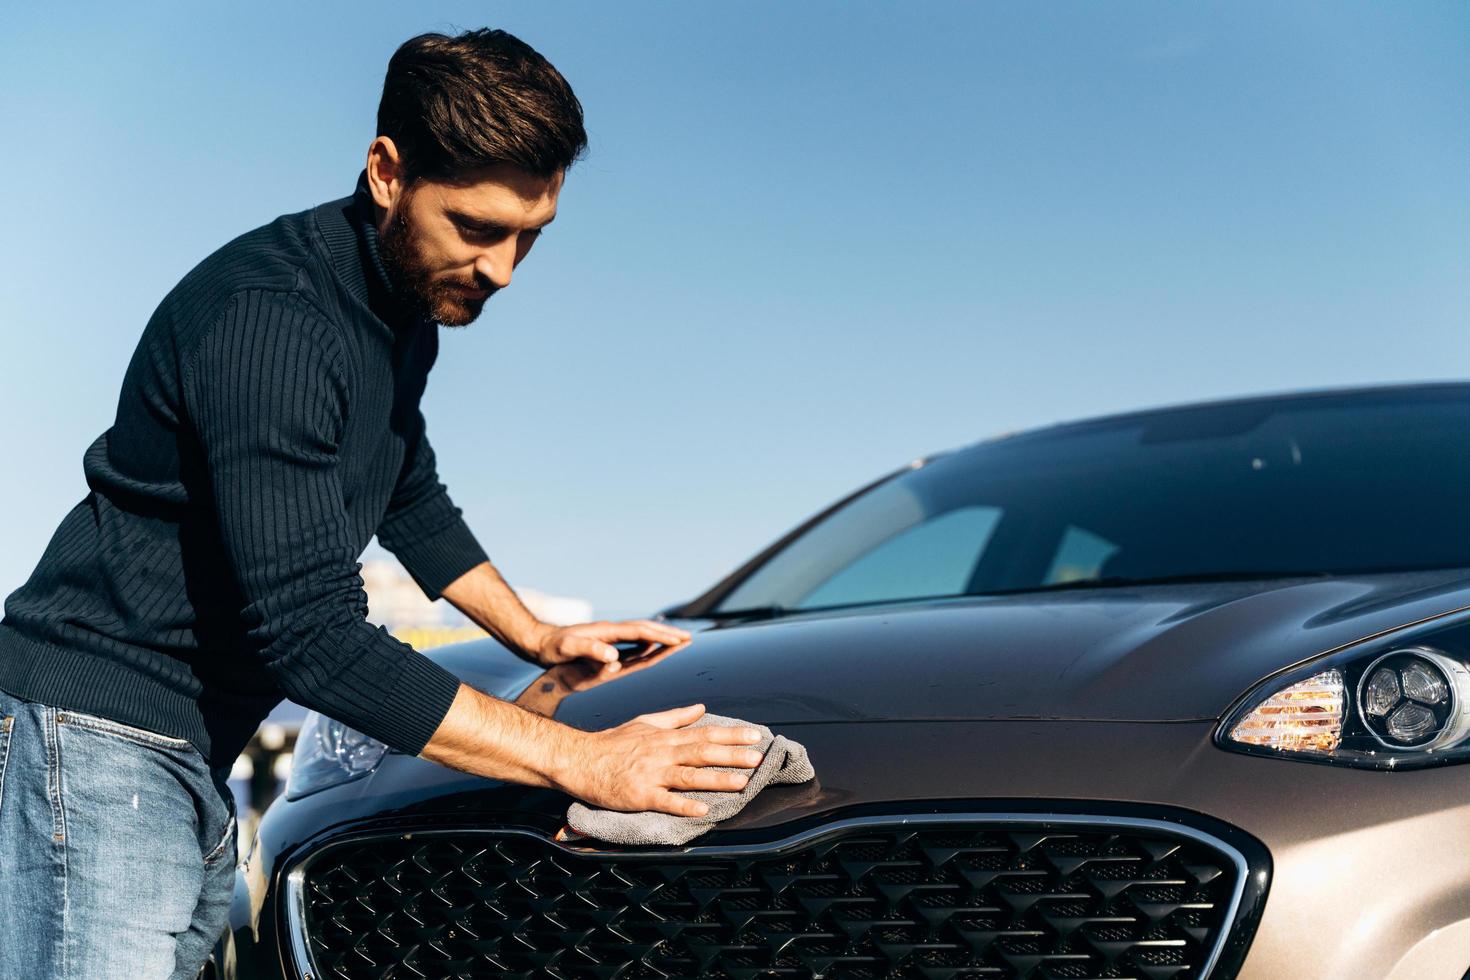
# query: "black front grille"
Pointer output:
{"type": "Point", "coordinates": [938, 901]}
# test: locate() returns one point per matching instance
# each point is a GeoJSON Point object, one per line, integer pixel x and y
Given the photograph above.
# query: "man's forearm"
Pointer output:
{"type": "Point", "coordinates": [486, 598]}
{"type": "Point", "coordinates": [489, 737]}
{"type": "Point", "coordinates": [639, 765]}
{"type": "Point", "coordinates": [483, 596]}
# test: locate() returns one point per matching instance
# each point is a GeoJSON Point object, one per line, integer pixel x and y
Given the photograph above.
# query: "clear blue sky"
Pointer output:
{"type": "Point", "coordinates": [811, 240]}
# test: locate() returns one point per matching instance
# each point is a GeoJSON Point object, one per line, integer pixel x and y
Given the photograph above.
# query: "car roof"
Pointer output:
{"type": "Point", "coordinates": [1323, 397]}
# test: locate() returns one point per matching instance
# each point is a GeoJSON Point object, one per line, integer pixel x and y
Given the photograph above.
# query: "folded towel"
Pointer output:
{"type": "Point", "coordinates": [785, 762]}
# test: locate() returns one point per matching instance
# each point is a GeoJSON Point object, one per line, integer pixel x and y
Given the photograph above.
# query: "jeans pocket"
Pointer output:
{"type": "Point", "coordinates": [225, 845]}
{"type": "Point", "coordinates": [106, 726]}
{"type": "Point", "coordinates": [6, 724]}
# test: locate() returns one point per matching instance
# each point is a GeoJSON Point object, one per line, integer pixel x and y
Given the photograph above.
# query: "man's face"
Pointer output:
{"type": "Point", "coordinates": [449, 246]}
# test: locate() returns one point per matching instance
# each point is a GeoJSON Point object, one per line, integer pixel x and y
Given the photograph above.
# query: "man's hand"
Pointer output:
{"type": "Point", "coordinates": [483, 596]}
{"type": "Point", "coordinates": [639, 764]}
{"type": "Point", "coordinates": [554, 645]}
{"type": "Point", "coordinates": [635, 766]}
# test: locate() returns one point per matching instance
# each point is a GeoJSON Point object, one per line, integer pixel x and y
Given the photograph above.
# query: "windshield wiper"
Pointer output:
{"type": "Point", "coordinates": [1121, 581]}
{"type": "Point", "coordinates": [753, 612]}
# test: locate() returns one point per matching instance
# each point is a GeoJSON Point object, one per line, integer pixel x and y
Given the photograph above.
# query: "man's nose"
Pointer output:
{"type": "Point", "coordinates": [495, 263]}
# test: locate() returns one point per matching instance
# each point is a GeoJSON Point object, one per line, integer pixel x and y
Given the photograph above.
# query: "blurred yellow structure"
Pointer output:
{"type": "Point", "coordinates": [397, 603]}
{"type": "Point", "coordinates": [428, 637]}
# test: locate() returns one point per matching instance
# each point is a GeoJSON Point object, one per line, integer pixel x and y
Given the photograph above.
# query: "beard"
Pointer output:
{"type": "Point", "coordinates": [413, 281]}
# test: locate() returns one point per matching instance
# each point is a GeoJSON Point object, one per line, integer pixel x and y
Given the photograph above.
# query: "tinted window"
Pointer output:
{"type": "Point", "coordinates": [1079, 557]}
{"type": "Point", "coordinates": [1339, 483]}
{"type": "Point", "coordinates": [933, 557]}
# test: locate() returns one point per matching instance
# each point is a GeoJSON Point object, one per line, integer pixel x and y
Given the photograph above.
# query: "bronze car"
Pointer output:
{"type": "Point", "coordinates": [1175, 694]}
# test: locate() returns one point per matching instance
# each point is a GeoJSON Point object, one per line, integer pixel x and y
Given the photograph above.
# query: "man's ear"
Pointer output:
{"type": "Point", "coordinates": [385, 173]}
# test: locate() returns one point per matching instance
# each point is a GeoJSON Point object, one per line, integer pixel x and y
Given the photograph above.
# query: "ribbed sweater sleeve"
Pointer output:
{"type": "Point", "coordinates": [423, 527]}
{"type": "Point", "coordinates": [267, 395]}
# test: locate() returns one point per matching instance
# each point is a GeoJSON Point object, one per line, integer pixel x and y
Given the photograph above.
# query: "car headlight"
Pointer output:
{"type": "Point", "coordinates": [329, 753]}
{"type": "Point", "coordinates": [1383, 705]}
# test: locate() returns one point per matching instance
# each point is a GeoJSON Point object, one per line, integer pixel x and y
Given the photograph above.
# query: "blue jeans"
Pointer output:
{"type": "Point", "coordinates": [117, 848]}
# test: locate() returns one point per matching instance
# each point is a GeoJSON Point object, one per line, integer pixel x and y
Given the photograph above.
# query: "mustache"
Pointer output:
{"type": "Point", "coordinates": [489, 288]}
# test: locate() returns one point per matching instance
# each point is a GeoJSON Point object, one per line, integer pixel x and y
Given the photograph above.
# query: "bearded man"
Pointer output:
{"type": "Point", "coordinates": [268, 427]}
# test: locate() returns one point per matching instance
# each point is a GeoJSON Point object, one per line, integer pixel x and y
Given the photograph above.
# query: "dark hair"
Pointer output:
{"type": "Point", "coordinates": [457, 104]}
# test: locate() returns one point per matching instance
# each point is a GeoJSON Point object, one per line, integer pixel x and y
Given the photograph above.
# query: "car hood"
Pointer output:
{"type": "Point", "coordinates": [1156, 653]}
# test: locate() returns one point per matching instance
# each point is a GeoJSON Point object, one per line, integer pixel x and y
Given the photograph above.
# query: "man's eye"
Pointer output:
{"type": "Point", "coordinates": [481, 231]}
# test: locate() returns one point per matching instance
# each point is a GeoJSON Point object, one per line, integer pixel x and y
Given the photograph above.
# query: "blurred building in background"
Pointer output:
{"type": "Point", "coordinates": [396, 602]}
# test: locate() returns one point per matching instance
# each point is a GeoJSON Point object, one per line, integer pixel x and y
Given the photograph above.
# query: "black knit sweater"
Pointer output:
{"type": "Point", "coordinates": [268, 426]}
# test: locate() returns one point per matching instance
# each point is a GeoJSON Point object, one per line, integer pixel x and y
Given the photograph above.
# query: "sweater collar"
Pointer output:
{"type": "Point", "coordinates": [350, 229]}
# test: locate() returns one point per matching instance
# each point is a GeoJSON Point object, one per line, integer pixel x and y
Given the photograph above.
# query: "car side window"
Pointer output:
{"type": "Point", "coordinates": [932, 558]}
{"type": "Point", "coordinates": [1080, 555]}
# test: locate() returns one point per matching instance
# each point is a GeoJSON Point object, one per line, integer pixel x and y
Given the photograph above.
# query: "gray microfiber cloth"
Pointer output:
{"type": "Point", "coordinates": [785, 762]}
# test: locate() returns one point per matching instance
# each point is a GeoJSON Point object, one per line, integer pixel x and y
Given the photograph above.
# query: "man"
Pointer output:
{"type": "Point", "coordinates": [268, 427]}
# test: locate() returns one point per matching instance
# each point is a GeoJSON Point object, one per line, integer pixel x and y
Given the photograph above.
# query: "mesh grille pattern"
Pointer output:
{"type": "Point", "coordinates": [935, 903]}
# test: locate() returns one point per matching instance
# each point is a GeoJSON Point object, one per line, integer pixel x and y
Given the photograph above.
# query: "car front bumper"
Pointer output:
{"type": "Point", "coordinates": [1366, 876]}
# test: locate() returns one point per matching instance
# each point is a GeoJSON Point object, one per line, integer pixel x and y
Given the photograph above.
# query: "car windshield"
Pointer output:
{"type": "Point", "coordinates": [1304, 485]}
